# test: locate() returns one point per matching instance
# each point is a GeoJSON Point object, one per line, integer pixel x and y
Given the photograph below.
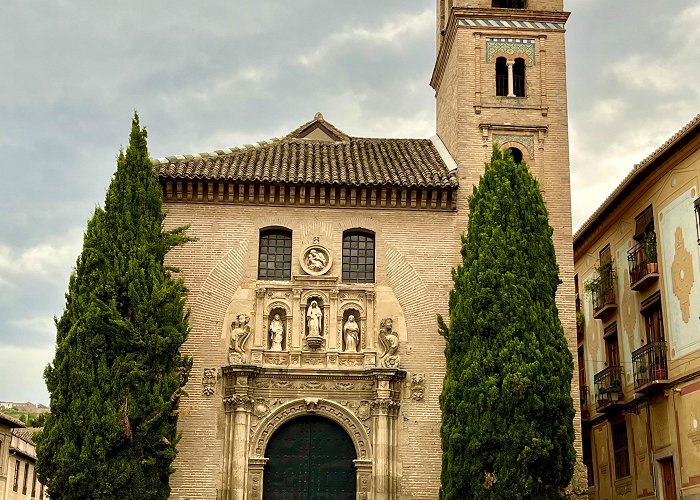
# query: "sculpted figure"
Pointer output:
{"type": "Point", "coordinates": [240, 330]}
{"type": "Point", "coordinates": [390, 343]}
{"type": "Point", "coordinates": [316, 260]}
{"type": "Point", "coordinates": [351, 332]}
{"type": "Point", "coordinates": [314, 316]}
{"type": "Point", "coordinates": [276, 333]}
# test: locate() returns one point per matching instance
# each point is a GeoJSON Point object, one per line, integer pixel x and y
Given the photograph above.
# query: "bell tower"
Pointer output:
{"type": "Point", "coordinates": [500, 77]}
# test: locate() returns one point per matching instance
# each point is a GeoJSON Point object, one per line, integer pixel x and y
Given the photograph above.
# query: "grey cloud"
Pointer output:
{"type": "Point", "coordinates": [218, 74]}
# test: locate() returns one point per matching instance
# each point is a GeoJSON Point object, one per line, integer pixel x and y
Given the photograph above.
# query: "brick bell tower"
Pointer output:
{"type": "Point", "coordinates": [500, 77]}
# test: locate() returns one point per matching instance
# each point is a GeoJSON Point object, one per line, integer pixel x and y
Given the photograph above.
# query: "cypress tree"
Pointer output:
{"type": "Point", "coordinates": [507, 413]}
{"type": "Point", "coordinates": [116, 376]}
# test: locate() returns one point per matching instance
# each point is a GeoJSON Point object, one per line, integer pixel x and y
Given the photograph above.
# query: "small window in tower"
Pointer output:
{"type": "Point", "coordinates": [517, 155]}
{"type": "Point", "coordinates": [501, 77]}
{"type": "Point", "coordinates": [519, 77]}
{"type": "Point", "coordinates": [508, 4]}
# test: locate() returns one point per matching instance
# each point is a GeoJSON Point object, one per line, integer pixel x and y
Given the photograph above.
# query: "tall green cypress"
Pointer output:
{"type": "Point", "coordinates": [507, 413]}
{"type": "Point", "coordinates": [117, 373]}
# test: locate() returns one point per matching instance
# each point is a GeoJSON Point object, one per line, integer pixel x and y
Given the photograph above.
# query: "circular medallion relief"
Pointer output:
{"type": "Point", "coordinates": [316, 260]}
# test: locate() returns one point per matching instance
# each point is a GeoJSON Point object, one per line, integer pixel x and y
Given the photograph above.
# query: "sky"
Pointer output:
{"type": "Point", "coordinates": [214, 74]}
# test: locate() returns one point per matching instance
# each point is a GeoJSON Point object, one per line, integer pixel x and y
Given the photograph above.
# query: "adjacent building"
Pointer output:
{"type": "Point", "coordinates": [18, 479]}
{"type": "Point", "coordinates": [322, 260]}
{"type": "Point", "coordinates": [637, 264]}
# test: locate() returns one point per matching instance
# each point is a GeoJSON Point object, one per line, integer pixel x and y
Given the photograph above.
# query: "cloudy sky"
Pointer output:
{"type": "Point", "coordinates": [215, 74]}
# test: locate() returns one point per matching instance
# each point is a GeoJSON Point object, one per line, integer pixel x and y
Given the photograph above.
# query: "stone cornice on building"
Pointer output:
{"type": "Point", "coordinates": [537, 22]}
{"type": "Point", "coordinates": [648, 170]}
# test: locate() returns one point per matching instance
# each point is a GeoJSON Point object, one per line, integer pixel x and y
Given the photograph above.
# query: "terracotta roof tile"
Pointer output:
{"type": "Point", "coordinates": [10, 420]}
{"type": "Point", "coordinates": [27, 433]}
{"type": "Point", "coordinates": [351, 161]}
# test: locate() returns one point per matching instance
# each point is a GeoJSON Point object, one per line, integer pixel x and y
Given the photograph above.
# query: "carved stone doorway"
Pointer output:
{"type": "Point", "coordinates": [310, 458]}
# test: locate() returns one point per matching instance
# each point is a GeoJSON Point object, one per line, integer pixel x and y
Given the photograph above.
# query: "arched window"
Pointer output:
{"type": "Point", "coordinates": [275, 255]}
{"type": "Point", "coordinates": [517, 155]}
{"type": "Point", "coordinates": [508, 4]}
{"type": "Point", "coordinates": [519, 77]}
{"type": "Point", "coordinates": [501, 77]}
{"type": "Point", "coordinates": [358, 257]}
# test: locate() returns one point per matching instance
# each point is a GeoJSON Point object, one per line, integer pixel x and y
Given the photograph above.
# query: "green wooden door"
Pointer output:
{"type": "Point", "coordinates": [310, 458]}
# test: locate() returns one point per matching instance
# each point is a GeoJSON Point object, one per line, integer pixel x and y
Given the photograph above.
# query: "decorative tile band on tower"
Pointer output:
{"type": "Point", "coordinates": [525, 140]}
{"type": "Point", "coordinates": [502, 23]}
{"type": "Point", "coordinates": [510, 46]}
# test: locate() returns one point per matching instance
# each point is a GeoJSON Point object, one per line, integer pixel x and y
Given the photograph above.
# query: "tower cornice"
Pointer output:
{"type": "Point", "coordinates": [506, 20]}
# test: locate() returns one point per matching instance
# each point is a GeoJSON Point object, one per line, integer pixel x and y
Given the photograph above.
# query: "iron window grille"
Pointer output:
{"type": "Point", "coordinates": [275, 255]}
{"type": "Point", "coordinates": [358, 257]}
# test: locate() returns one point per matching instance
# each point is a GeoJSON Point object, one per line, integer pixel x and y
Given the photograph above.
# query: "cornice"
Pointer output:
{"type": "Point", "coordinates": [309, 374]}
{"type": "Point", "coordinates": [226, 191]}
{"type": "Point", "coordinates": [463, 13]}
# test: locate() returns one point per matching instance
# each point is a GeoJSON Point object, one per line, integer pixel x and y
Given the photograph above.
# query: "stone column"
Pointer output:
{"type": "Point", "coordinates": [259, 333]}
{"type": "Point", "coordinates": [364, 478]}
{"type": "Point", "coordinates": [297, 334]}
{"type": "Point", "coordinates": [331, 312]}
{"type": "Point", "coordinates": [369, 312]}
{"type": "Point", "coordinates": [256, 470]}
{"type": "Point", "coordinates": [238, 408]}
{"type": "Point", "coordinates": [511, 93]}
{"type": "Point", "coordinates": [382, 440]}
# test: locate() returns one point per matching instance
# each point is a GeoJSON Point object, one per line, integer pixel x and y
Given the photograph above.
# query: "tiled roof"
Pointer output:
{"type": "Point", "coordinates": [640, 170]}
{"type": "Point", "coordinates": [295, 159]}
{"type": "Point", "coordinates": [10, 420]}
{"type": "Point", "coordinates": [27, 433]}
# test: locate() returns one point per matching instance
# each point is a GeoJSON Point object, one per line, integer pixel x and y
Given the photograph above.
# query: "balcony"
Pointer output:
{"type": "Point", "coordinates": [602, 291]}
{"type": "Point", "coordinates": [644, 269]}
{"type": "Point", "coordinates": [585, 412]}
{"type": "Point", "coordinates": [608, 388]}
{"type": "Point", "coordinates": [580, 321]}
{"type": "Point", "coordinates": [650, 365]}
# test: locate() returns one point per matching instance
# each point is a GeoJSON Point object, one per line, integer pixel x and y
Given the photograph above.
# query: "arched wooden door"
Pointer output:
{"type": "Point", "coordinates": [310, 458]}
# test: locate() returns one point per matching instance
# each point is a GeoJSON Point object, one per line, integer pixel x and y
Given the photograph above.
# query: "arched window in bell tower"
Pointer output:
{"type": "Point", "coordinates": [517, 155]}
{"type": "Point", "coordinates": [501, 77]}
{"type": "Point", "coordinates": [508, 4]}
{"type": "Point", "coordinates": [519, 77]}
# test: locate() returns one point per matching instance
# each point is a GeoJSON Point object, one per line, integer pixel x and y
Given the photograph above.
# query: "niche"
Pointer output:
{"type": "Point", "coordinates": [313, 316]}
{"type": "Point", "coordinates": [277, 330]}
{"type": "Point", "coordinates": [351, 331]}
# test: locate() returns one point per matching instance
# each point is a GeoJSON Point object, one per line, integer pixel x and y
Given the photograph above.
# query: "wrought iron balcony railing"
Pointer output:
{"type": "Point", "coordinates": [602, 289]}
{"type": "Point", "coordinates": [650, 364]}
{"type": "Point", "coordinates": [608, 386]}
{"type": "Point", "coordinates": [585, 412]}
{"type": "Point", "coordinates": [642, 260]}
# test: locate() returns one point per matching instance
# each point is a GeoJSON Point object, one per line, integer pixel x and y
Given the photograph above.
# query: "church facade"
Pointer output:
{"type": "Point", "coordinates": [322, 261]}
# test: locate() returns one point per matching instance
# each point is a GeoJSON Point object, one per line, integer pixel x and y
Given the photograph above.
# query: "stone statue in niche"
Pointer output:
{"type": "Point", "coordinates": [389, 341]}
{"type": "Point", "coordinates": [276, 333]}
{"type": "Point", "coordinates": [351, 334]}
{"type": "Point", "coordinates": [315, 260]}
{"type": "Point", "coordinates": [314, 322]}
{"type": "Point", "coordinates": [314, 319]}
{"type": "Point", "coordinates": [240, 331]}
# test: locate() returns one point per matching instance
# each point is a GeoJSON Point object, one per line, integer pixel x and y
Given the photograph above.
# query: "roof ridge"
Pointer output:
{"type": "Point", "coordinates": [635, 169]}
{"type": "Point", "coordinates": [213, 154]}
{"type": "Point", "coordinates": [164, 160]}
